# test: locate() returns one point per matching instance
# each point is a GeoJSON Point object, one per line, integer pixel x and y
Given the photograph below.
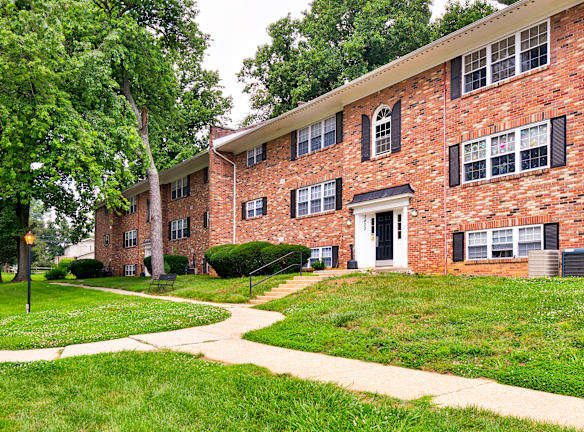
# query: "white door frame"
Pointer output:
{"type": "Point", "coordinates": [147, 253]}
{"type": "Point", "coordinates": [365, 235]}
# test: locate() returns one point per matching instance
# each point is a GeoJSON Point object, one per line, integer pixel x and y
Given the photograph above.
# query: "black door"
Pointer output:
{"type": "Point", "coordinates": [384, 222]}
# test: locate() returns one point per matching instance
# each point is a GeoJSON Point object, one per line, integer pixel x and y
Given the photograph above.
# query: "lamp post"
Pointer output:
{"type": "Point", "coordinates": [29, 239]}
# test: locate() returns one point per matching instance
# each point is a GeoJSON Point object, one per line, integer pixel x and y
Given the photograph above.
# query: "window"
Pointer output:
{"type": "Point", "coordinates": [205, 175]}
{"type": "Point", "coordinates": [399, 226]}
{"type": "Point", "coordinates": [147, 210]}
{"type": "Point", "coordinates": [316, 199]}
{"type": "Point", "coordinates": [130, 238]}
{"type": "Point", "coordinates": [514, 151]}
{"type": "Point", "coordinates": [255, 208]}
{"type": "Point", "coordinates": [179, 229]}
{"type": "Point", "coordinates": [316, 136]}
{"type": "Point", "coordinates": [321, 254]}
{"type": "Point", "coordinates": [505, 58]}
{"type": "Point", "coordinates": [106, 240]}
{"type": "Point", "coordinates": [206, 219]}
{"type": "Point", "coordinates": [255, 155]}
{"type": "Point", "coordinates": [382, 131]}
{"type": "Point", "coordinates": [131, 270]}
{"type": "Point", "coordinates": [179, 188]}
{"type": "Point", "coordinates": [106, 211]}
{"type": "Point", "coordinates": [504, 243]}
{"type": "Point", "coordinates": [132, 207]}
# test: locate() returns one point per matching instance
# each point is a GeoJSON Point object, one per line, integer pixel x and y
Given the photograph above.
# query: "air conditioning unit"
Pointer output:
{"type": "Point", "coordinates": [573, 262]}
{"type": "Point", "coordinates": [544, 263]}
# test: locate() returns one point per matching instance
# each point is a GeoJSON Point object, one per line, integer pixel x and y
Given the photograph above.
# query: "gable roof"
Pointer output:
{"type": "Point", "coordinates": [405, 189]}
{"type": "Point", "coordinates": [475, 35]}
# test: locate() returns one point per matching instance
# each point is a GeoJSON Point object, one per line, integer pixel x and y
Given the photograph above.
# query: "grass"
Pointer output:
{"type": "Point", "coordinates": [521, 332]}
{"type": "Point", "coordinates": [178, 392]}
{"type": "Point", "coordinates": [200, 287]}
{"type": "Point", "coordinates": [7, 277]}
{"type": "Point", "coordinates": [67, 315]}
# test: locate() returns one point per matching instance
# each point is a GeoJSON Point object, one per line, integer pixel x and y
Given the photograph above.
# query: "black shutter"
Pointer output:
{"type": "Point", "coordinates": [558, 141]}
{"type": "Point", "coordinates": [551, 236]}
{"type": "Point", "coordinates": [265, 206]}
{"type": "Point", "coordinates": [205, 219]}
{"type": "Point", "coordinates": [188, 226]}
{"type": "Point", "coordinates": [264, 151]}
{"type": "Point", "coordinates": [339, 194]}
{"type": "Point", "coordinates": [124, 241]}
{"type": "Point", "coordinates": [335, 259]}
{"type": "Point", "coordinates": [188, 188]}
{"type": "Point", "coordinates": [365, 138]}
{"type": "Point", "coordinates": [206, 175]}
{"type": "Point", "coordinates": [293, 145]}
{"type": "Point", "coordinates": [455, 78]}
{"type": "Point", "coordinates": [454, 165]}
{"type": "Point", "coordinates": [243, 210]}
{"type": "Point", "coordinates": [396, 127]}
{"type": "Point", "coordinates": [169, 231]}
{"type": "Point", "coordinates": [339, 129]}
{"type": "Point", "coordinates": [458, 247]}
{"type": "Point", "coordinates": [293, 203]}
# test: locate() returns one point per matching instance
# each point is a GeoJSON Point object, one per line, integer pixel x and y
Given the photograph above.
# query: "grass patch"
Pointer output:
{"type": "Point", "coordinates": [527, 333]}
{"type": "Point", "coordinates": [177, 392]}
{"type": "Point", "coordinates": [67, 315]}
{"type": "Point", "coordinates": [200, 287]}
{"type": "Point", "coordinates": [7, 277]}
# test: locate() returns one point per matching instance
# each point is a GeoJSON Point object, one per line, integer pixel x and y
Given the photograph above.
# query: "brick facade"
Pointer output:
{"type": "Point", "coordinates": [431, 122]}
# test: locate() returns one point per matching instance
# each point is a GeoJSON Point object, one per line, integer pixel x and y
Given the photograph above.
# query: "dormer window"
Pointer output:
{"type": "Point", "coordinates": [382, 131]}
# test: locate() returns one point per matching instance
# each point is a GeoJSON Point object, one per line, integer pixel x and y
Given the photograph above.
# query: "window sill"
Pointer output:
{"type": "Point", "coordinates": [506, 81]}
{"type": "Point", "coordinates": [315, 152]}
{"type": "Point", "coordinates": [177, 239]}
{"type": "Point", "coordinates": [253, 218]}
{"type": "Point", "coordinates": [507, 177]}
{"type": "Point", "coordinates": [252, 166]}
{"type": "Point", "coordinates": [316, 214]}
{"type": "Point", "coordinates": [496, 261]}
{"type": "Point", "coordinates": [381, 156]}
{"type": "Point", "coordinates": [179, 198]}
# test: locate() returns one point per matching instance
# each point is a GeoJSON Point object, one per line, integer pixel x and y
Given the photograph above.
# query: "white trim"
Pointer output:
{"type": "Point", "coordinates": [256, 154]}
{"type": "Point", "coordinates": [254, 206]}
{"type": "Point", "coordinates": [381, 203]}
{"type": "Point", "coordinates": [320, 256]}
{"type": "Point", "coordinates": [322, 197]}
{"type": "Point", "coordinates": [489, 61]}
{"type": "Point", "coordinates": [489, 244]}
{"type": "Point", "coordinates": [130, 239]}
{"type": "Point", "coordinates": [175, 229]}
{"type": "Point", "coordinates": [180, 188]}
{"type": "Point", "coordinates": [374, 124]}
{"type": "Point", "coordinates": [131, 270]}
{"type": "Point", "coordinates": [309, 130]}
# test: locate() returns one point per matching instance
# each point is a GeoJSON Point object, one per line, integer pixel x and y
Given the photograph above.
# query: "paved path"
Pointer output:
{"type": "Point", "coordinates": [222, 342]}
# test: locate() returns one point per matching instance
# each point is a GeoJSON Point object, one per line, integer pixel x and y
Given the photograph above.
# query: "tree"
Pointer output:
{"type": "Point", "coordinates": [62, 139]}
{"type": "Point", "coordinates": [153, 51]}
{"type": "Point", "coordinates": [334, 42]}
{"type": "Point", "coordinates": [458, 15]}
{"type": "Point", "coordinates": [9, 231]}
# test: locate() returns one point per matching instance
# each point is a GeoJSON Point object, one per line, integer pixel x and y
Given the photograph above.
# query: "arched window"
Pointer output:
{"type": "Point", "coordinates": [382, 130]}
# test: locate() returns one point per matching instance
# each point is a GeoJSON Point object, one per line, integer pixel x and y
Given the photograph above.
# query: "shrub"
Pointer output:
{"type": "Point", "coordinates": [176, 264]}
{"type": "Point", "coordinates": [240, 260]}
{"type": "Point", "coordinates": [57, 272]}
{"type": "Point", "coordinates": [86, 268]}
{"type": "Point", "coordinates": [318, 265]}
{"type": "Point", "coordinates": [65, 263]}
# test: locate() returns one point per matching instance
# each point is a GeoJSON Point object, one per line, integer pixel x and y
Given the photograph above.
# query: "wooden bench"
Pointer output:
{"type": "Point", "coordinates": [163, 282]}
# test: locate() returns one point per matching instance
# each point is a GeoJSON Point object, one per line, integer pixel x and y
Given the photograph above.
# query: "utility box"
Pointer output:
{"type": "Point", "coordinates": [544, 263]}
{"type": "Point", "coordinates": [573, 262]}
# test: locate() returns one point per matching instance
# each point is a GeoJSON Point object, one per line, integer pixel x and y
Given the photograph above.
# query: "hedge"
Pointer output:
{"type": "Point", "coordinates": [86, 268]}
{"type": "Point", "coordinates": [58, 272]}
{"type": "Point", "coordinates": [240, 260]}
{"type": "Point", "coordinates": [173, 264]}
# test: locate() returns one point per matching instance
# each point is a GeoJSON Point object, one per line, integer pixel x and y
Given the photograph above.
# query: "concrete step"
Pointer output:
{"type": "Point", "coordinates": [266, 297]}
{"type": "Point", "coordinates": [275, 294]}
{"type": "Point", "coordinates": [308, 278]}
{"type": "Point", "coordinates": [256, 301]}
{"type": "Point", "coordinates": [285, 289]}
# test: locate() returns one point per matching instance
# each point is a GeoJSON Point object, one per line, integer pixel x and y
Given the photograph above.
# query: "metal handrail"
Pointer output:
{"type": "Point", "coordinates": [278, 272]}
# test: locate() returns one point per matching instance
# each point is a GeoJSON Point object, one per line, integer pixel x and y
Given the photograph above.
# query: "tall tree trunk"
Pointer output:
{"type": "Point", "coordinates": [22, 212]}
{"type": "Point", "coordinates": [153, 182]}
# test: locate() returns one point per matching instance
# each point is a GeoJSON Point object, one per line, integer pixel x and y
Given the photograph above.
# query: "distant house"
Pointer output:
{"type": "Point", "coordinates": [85, 249]}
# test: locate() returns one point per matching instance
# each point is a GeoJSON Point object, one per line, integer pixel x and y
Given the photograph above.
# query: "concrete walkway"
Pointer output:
{"type": "Point", "coordinates": [222, 342]}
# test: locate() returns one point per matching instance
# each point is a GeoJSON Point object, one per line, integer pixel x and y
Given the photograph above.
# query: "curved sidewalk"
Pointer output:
{"type": "Point", "coordinates": [222, 342]}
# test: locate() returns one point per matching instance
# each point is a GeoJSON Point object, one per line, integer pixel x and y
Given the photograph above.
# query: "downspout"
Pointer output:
{"type": "Point", "coordinates": [234, 186]}
{"type": "Point", "coordinates": [445, 168]}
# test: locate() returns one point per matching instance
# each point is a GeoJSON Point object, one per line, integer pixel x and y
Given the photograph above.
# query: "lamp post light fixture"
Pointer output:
{"type": "Point", "coordinates": [29, 239]}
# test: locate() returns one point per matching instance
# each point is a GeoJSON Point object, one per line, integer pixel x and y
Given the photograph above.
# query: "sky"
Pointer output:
{"type": "Point", "coordinates": [237, 28]}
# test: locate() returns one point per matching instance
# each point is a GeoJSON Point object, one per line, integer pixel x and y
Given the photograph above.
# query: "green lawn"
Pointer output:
{"type": "Point", "coordinates": [177, 392]}
{"type": "Point", "coordinates": [66, 315]}
{"type": "Point", "coordinates": [7, 277]}
{"type": "Point", "coordinates": [521, 332]}
{"type": "Point", "coordinates": [200, 287]}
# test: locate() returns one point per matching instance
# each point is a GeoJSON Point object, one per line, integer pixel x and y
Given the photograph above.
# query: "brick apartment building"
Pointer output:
{"type": "Point", "coordinates": [461, 156]}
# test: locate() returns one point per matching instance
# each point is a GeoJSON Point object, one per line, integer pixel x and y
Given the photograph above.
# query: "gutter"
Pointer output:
{"type": "Point", "coordinates": [234, 187]}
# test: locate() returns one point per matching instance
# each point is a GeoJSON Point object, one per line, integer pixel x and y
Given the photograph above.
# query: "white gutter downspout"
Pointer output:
{"type": "Point", "coordinates": [234, 188]}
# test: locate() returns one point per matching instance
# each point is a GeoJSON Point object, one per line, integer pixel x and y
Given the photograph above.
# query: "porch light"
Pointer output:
{"type": "Point", "coordinates": [29, 238]}
{"type": "Point", "coordinates": [414, 212]}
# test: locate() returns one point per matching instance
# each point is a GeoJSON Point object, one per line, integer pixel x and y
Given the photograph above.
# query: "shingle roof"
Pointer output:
{"type": "Point", "coordinates": [382, 193]}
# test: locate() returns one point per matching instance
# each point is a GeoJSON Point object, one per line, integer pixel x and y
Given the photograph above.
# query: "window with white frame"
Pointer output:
{"type": "Point", "coordinates": [514, 54]}
{"type": "Point", "coordinates": [316, 136]}
{"type": "Point", "coordinates": [179, 188]}
{"type": "Point", "coordinates": [255, 208]}
{"type": "Point", "coordinates": [321, 254]}
{"type": "Point", "coordinates": [316, 198]}
{"type": "Point", "coordinates": [130, 238]}
{"type": "Point", "coordinates": [504, 242]}
{"type": "Point", "coordinates": [179, 229]}
{"type": "Point", "coordinates": [131, 270]}
{"type": "Point", "coordinates": [382, 131]}
{"type": "Point", "coordinates": [255, 155]}
{"type": "Point", "coordinates": [106, 240]}
{"type": "Point", "coordinates": [518, 150]}
{"type": "Point", "coordinates": [132, 205]}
